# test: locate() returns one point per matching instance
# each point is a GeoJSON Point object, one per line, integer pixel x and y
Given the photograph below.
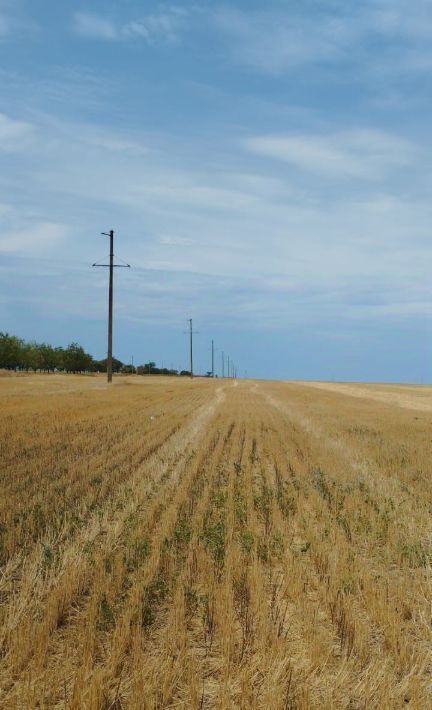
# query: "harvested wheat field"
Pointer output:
{"type": "Point", "coordinates": [168, 543]}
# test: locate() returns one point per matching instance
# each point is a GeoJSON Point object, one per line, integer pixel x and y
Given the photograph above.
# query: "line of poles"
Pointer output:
{"type": "Point", "coordinates": [231, 367]}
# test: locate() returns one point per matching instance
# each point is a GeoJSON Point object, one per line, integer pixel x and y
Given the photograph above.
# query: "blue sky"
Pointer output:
{"type": "Point", "coordinates": [266, 167]}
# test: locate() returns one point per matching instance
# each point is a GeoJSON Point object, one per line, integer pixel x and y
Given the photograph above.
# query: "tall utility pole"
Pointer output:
{"type": "Point", "coordinates": [111, 267]}
{"type": "Point", "coordinates": [191, 333]}
{"type": "Point", "coordinates": [191, 346]}
{"type": "Point", "coordinates": [212, 358]}
{"type": "Point", "coordinates": [223, 364]}
{"type": "Point", "coordinates": [110, 304]}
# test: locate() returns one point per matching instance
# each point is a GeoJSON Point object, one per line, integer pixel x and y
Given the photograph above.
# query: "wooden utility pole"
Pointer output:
{"type": "Point", "coordinates": [191, 333]}
{"type": "Point", "coordinates": [111, 267]}
{"type": "Point", "coordinates": [110, 305]}
{"type": "Point", "coordinates": [191, 346]}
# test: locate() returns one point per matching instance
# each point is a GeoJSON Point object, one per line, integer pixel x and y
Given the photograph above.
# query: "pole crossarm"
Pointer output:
{"type": "Point", "coordinates": [115, 266]}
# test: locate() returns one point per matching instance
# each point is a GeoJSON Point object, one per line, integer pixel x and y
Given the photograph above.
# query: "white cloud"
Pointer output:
{"type": "Point", "coordinates": [33, 238]}
{"type": "Point", "coordinates": [393, 18]}
{"type": "Point", "coordinates": [162, 27]}
{"type": "Point", "coordinates": [226, 217]}
{"type": "Point", "coordinates": [94, 26]}
{"type": "Point", "coordinates": [356, 154]}
{"type": "Point", "coordinates": [113, 143]}
{"type": "Point", "coordinates": [174, 241]}
{"type": "Point", "coordinates": [4, 25]}
{"type": "Point", "coordinates": [14, 134]}
{"type": "Point", "coordinates": [274, 40]}
{"type": "Point", "coordinates": [5, 210]}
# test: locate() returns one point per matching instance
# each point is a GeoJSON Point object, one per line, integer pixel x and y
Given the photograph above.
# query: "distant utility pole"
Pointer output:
{"type": "Point", "coordinates": [191, 333]}
{"type": "Point", "coordinates": [223, 364]}
{"type": "Point", "coordinates": [111, 267]}
{"type": "Point", "coordinates": [228, 366]}
{"type": "Point", "coordinates": [212, 358]}
{"type": "Point", "coordinates": [191, 346]}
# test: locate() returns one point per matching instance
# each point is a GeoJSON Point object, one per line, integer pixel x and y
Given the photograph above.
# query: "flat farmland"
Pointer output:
{"type": "Point", "coordinates": [168, 543]}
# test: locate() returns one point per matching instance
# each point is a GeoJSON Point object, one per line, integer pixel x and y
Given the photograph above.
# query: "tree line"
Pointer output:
{"type": "Point", "coordinates": [19, 354]}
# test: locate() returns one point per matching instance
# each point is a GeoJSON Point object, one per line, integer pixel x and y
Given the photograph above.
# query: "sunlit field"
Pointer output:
{"type": "Point", "coordinates": [168, 543]}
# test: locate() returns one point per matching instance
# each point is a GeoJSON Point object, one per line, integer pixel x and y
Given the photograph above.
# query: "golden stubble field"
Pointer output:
{"type": "Point", "coordinates": [169, 543]}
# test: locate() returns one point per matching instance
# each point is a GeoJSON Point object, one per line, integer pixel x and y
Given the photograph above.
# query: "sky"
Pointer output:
{"type": "Point", "coordinates": [266, 168]}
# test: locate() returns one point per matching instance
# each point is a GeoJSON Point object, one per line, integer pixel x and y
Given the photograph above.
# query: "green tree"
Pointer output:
{"type": "Point", "coordinates": [46, 356]}
{"type": "Point", "coordinates": [128, 370]}
{"type": "Point", "coordinates": [11, 351]}
{"type": "Point", "coordinates": [75, 359]}
{"type": "Point", "coordinates": [101, 365]}
{"type": "Point", "coordinates": [30, 357]}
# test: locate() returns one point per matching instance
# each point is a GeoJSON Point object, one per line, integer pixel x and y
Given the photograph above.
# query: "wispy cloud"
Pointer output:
{"type": "Point", "coordinates": [362, 153]}
{"type": "Point", "coordinates": [33, 238]}
{"type": "Point", "coordinates": [390, 17]}
{"type": "Point", "coordinates": [163, 27]}
{"type": "Point", "coordinates": [278, 38]}
{"type": "Point", "coordinates": [4, 25]}
{"type": "Point", "coordinates": [14, 134]}
{"type": "Point", "coordinates": [273, 40]}
{"type": "Point", "coordinates": [94, 26]}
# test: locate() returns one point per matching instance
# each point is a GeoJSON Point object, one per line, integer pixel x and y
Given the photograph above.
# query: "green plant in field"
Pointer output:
{"type": "Point", "coordinates": [153, 596]}
{"type": "Point", "coordinates": [262, 504]}
{"type": "Point", "coordinates": [277, 544]}
{"type": "Point", "coordinates": [262, 551]}
{"type": "Point", "coordinates": [247, 541]}
{"type": "Point", "coordinates": [214, 540]}
{"type": "Point", "coordinates": [320, 484]}
{"type": "Point", "coordinates": [106, 615]}
{"type": "Point", "coordinates": [47, 556]}
{"type": "Point", "coordinates": [415, 555]}
{"type": "Point", "coordinates": [182, 532]}
{"type": "Point", "coordinates": [191, 601]}
{"type": "Point", "coordinates": [239, 505]}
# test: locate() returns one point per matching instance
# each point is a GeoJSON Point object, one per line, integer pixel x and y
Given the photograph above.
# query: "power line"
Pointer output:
{"type": "Point", "coordinates": [111, 267]}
